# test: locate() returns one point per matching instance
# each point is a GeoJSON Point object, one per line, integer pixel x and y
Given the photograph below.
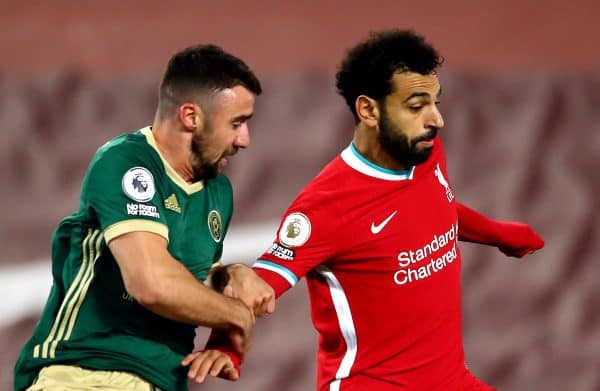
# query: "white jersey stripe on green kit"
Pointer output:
{"type": "Point", "coordinates": [76, 289]}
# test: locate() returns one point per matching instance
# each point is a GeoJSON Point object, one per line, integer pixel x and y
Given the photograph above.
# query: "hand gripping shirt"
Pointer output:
{"type": "Point", "coordinates": [89, 319]}
{"type": "Point", "coordinates": [379, 252]}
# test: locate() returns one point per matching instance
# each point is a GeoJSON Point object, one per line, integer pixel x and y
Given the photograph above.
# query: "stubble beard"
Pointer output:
{"type": "Point", "coordinates": [396, 143]}
{"type": "Point", "coordinates": [203, 168]}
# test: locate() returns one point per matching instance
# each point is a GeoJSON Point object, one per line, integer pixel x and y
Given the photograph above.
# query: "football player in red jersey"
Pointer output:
{"type": "Point", "coordinates": [377, 229]}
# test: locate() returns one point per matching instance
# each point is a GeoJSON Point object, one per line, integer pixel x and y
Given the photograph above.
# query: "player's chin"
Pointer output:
{"type": "Point", "coordinates": [424, 149]}
{"type": "Point", "coordinates": [421, 155]}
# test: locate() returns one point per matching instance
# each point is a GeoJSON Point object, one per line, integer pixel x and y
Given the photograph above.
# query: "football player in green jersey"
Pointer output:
{"type": "Point", "coordinates": [128, 265]}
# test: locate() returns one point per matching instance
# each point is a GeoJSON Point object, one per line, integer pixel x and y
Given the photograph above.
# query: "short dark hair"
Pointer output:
{"type": "Point", "coordinates": [202, 69]}
{"type": "Point", "coordinates": [368, 67]}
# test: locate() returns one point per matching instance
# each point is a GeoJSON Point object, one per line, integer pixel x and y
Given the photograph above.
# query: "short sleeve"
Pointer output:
{"type": "Point", "coordinates": [305, 238]}
{"type": "Point", "coordinates": [121, 189]}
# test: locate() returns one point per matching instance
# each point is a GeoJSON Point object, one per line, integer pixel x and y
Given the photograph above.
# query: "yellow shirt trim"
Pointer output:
{"type": "Point", "coordinates": [171, 173]}
{"type": "Point", "coordinates": [126, 226]}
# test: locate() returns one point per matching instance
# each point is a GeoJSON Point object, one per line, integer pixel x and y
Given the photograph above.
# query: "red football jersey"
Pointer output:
{"type": "Point", "coordinates": [379, 251]}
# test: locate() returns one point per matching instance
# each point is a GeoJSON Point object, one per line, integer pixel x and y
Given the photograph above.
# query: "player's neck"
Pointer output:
{"type": "Point", "coordinates": [366, 143]}
{"type": "Point", "coordinates": [173, 146]}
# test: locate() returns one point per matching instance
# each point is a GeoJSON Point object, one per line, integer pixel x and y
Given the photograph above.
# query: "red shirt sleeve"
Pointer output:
{"type": "Point", "coordinates": [278, 283]}
{"type": "Point", "coordinates": [305, 239]}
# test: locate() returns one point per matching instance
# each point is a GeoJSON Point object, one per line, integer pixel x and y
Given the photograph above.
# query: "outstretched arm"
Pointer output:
{"type": "Point", "coordinates": [512, 238]}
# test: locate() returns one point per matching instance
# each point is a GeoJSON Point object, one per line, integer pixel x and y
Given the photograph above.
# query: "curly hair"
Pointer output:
{"type": "Point", "coordinates": [203, 69]}
{"type": "Point", "coordinates": [368, 67]}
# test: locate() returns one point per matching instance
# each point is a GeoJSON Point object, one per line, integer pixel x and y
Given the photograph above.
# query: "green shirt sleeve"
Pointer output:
{"type": "Point", "coordinates": [121, 191]}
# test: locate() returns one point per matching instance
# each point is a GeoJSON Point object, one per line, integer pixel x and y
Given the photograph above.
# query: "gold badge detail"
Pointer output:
{"type": "Point", "coordinates": [295, 230]}
{"type": "Point", "coordinates": [172, 204]}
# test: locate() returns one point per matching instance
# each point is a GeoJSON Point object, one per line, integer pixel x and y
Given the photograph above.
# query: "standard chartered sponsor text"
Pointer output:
{"type": "Point", "coordinates": [428, 259]}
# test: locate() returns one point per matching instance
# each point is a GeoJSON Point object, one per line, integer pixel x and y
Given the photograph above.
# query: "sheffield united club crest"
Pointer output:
{"type": "Point", "coordinates": [215, 227]}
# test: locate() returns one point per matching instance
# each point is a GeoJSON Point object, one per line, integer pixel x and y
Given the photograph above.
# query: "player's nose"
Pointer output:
{"type": "Point", "coordinates": [242, 140]}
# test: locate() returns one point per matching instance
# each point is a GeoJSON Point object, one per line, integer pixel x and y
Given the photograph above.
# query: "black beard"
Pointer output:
{"type": "Point", "coordinates": [395, 142]}
{"type": "Point", "coordinates": [203, 169]}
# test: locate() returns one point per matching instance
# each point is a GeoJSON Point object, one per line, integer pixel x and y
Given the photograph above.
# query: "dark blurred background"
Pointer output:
{"type": "Point", "coordinates": [521, 94]}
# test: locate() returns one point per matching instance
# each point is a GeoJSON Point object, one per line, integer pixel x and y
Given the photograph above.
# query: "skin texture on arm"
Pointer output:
{"type": "Point", "coordinates": [258, 289]}
{"type": "Point", "coordinates": [245, 284]}
{"type": "Point", "coordinates": [164, 286]}
{"type": "Point", "coordinates": [210, 362]}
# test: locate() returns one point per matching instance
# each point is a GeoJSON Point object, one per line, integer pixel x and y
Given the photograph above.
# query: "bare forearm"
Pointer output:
{"type": "Point", "coordinates": [179, 296]}
{"type": "Point", "coordinates": [246, 285]}
{"type": "Point", "coordinates": [163, 285]}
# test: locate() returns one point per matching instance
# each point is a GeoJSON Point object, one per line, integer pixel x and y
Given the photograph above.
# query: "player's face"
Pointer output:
{"type": "Point", "coordinates": [410, 119]}
{"type": "Point", "coordinates": [224, 131]}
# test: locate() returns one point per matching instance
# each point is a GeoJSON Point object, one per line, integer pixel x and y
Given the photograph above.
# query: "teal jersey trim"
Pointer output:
{"type": "Point", "coordinates": [404, 173]}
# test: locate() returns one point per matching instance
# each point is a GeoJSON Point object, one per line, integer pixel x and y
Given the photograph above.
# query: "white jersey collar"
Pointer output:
{"type": "Point", "coordinates": [354, 159]}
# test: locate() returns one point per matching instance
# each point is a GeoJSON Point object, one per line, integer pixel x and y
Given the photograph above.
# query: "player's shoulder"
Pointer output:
{"type": "Point", "coordinates": [324, 189]}
{"type": "Point", "coordinates": [126, 144]}
{"type": "Point", "coordinates": [127, 149]}
{"type": "Point", "coordinates": [126, 157]}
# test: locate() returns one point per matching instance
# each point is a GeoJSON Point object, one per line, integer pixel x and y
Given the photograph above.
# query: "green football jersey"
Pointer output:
{"type": "Point", "coordinates": [89, 319]}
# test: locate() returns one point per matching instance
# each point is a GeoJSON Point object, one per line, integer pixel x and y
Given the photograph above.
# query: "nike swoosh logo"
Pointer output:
{"type": "Point", "coordinates": [375, 229]}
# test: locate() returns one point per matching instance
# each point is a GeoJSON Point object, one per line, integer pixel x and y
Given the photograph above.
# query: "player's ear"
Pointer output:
{"type": "Point", "coordinates": [191, 116]}
{"type": "Point", "coordinates": [367, 110]}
